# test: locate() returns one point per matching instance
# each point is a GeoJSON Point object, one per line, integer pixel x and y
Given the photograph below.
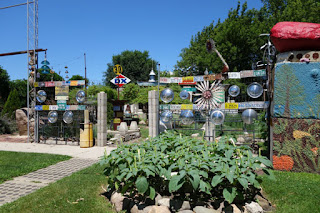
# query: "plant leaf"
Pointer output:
{"type": "Point", "coordinates": [230, 177]}
{"type": "Point", "coordinates": [195, 180]}
{"type": "Point", "coordinates": [175, 183]}
{"type": "Point", "coordinates": [142, 184]}
{"type": "Point", "coordinates": [243, 182]}
{"type": "Point", "coordinates": [152, 193]}
{"type": "Point", "coordinates": [229, 194]}
{"type": "Point", "coordinates": [216, 180]}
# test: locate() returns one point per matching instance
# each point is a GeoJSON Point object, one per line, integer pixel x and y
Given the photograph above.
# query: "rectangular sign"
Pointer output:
{"type": "Point", "coordinates": [188, 81]}
{"type": "Point", "coordinates": [231, 105]}
{"type": "Point", "coordinates": [198, 78]}
{"type": "Point", "coordinates": [38, 107]}
{"type": "Point", "coordinates": [186, 106]}
{"type": "Point", "coordinates": [212, 77]}
{"type": "Point", "coordinates": [72, 107]}
{"type": "Point", "coordinates": [61, 90]}
{"type": "Point", "coordinates": [176, 80]}
{"type": "Point", "coordinates": [258, 73]}
{"type": "Point", "coordinates": [53, 107]}
{"type": "Point", "coordinates": [62, 104]}
{"type": "Point", "coordinates": [165, 80]}
{"type": "Point", "coordinates": [45, 107]}
{"type": "Point", "coordinates": [58, 83]}
{"type": "Point", "coordinates": [81, 107]}
{"type": "Point", "coordinates": [234, 75]}
{"type": "Point", "coordinates": [49, 84]}
{"type": "Point", "coordinates": [62, 97]}
{"type": "Point", "coordinates": [246, 73]}
{"type": "Point", "coordinates": [254, 104]}
{"type": "Point", "coordinates": [165, 106]}
{"type": "Point", "coordinates": [189, 89]}
{"type": "Point", "coordinates": [116, 120]}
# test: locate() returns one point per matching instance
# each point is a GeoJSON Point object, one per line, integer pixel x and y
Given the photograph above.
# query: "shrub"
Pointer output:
{"type": "Point", "coordinates": [180, 165]}
{"type": "Point", "coordinates": [12, 104]}
{"type": "Point", "coordinates": [7, 126]}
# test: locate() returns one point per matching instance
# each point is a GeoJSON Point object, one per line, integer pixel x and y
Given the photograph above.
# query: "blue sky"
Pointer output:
{"type": "Point", "coordinates": [103, 28]}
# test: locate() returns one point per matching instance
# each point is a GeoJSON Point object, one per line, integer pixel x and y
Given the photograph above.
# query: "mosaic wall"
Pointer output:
{"type": "Point", "coordinates": [297, 90]}
{"type": "Point", "coordinates": [296, 145]}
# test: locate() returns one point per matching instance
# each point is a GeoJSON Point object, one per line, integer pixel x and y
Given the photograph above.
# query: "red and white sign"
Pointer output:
{"type": "Point", "coordinates": [120, 80]}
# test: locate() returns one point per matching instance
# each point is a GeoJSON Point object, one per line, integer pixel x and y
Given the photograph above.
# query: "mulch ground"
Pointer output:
{"type": "Point", "coordinates": [15, 138]}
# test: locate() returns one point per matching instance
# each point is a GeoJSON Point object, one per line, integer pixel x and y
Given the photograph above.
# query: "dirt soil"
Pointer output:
{"type": "Point", "coordinates": [15, 138]}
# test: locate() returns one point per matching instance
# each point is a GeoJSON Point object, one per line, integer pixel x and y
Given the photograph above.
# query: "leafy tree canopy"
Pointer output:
{"type": "Point", "coordinates": [237, 37]}
{"type": "Point", "coordinates": [4, 84]}
{"type": "Point", "coordinates": [47, 77]}
{"type": "Point", "coordinates": [21, 86]}
{"type": "Point", "coordinates": [136, 66]}
{"type": "Point", "coordinates": [11, 104]}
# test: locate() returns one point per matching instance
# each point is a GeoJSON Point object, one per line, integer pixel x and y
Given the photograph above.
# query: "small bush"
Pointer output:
{"type": "Point", "coordinates": [12, 104]}
{"type": "Point", "coordinates": [7, 126]}
{"type": "Point", "coordinates": [172, 164]}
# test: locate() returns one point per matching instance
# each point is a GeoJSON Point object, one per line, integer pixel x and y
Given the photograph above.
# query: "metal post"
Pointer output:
{"type": "Point", "coordinates": [28, 52]}
{"type": "Point", "coordinates": [85, 74]}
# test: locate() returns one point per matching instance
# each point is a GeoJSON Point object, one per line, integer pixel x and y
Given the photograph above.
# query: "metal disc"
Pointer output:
{"type": "Point", "coordinates": [186, 117]}
{"type": "Point", "coordinates": [234, 91]}
{"type": "Point", "coordinates": [184, 94]}
{"type": "Point", "coordinates": [52, 117]}
{"type": "Point", "coordinates": [166, 116]}
{"type": "Point", "coordinates": [41, 96]}
{"type": "Point", "coordinates": [68, 117]}
{"type": "Point", "coordinates": [255, 90]}
{"type": "Point", "coordinates": [217, 117]}
{"type": "Point", "coordinates": [249, 115]}
{"type": "Point", "coordinates": [80, 96]}
{"type": "Point", "coordinates": [167, 95]}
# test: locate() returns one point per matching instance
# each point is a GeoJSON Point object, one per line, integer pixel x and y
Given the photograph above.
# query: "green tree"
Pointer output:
{"type": "Point", "coordinates": [4, 85]}
{"type": "Point", "coordinates": [289, 90]}
{"type": "Point", "coordinates": [47, 77]}
{"type": "Point", "coordinates": [130, 92]}
{"type": "Point", "coordinates": [12, 104]}
{"type": "Point", "coordinates": [136, 66]}
{"type": "Point", "coordinates": [21, 86]}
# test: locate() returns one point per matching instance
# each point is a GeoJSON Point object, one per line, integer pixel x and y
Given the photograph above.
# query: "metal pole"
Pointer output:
{"type": "Point", "coordinates": [159, 80]}
{"type": "Point", "coordinates": [16, 5]}
{"type": "Point", "coordinates": [85, 74]}
{"type": "Point", "coordinates": [28, 52]}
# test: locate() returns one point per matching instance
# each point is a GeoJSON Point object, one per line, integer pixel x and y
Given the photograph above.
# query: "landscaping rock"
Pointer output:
{"type": "Point", "coordinates": [159, 209]}
{"type": "Point", "coordinates": [185, 211]}
{"type": "Point", "coordinates": [201, 209]}
{"type": "Point", "coordinates": [164, 202]}
{"type": "Point", "coordinates": [137, 208]}
{"type": "Point", "coordinates": [240, 140]}
{"type": "Point", "coordinates": [117, 200]}
{"type": "Point", "coordinates": [253, 207]}
{"type": "Point", "coordinates": [264, 203]}
{"type": "Point", "coordinates": [147, 209]}
{"type": "Point", "coordinates": [142, 122]}
{"type": "Point", "coordinates": [179, 205]}
{"type": "Point", "coordinates": [195, 135]}
{"type": "Point", "coordinates": [157, 198]}
{"type": "Point", "coordinates": [232, 209]}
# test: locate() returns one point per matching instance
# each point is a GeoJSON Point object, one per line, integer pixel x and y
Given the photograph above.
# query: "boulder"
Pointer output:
{"type": "Point", "coordinates": [253, 207]}
{"type": "Point", "coordinates": [185, 211]}
{"type": "Point", "coordinates": [119, 201]}
{"type": "Point", "coordinates": [201, 209]}
{"type": "Point", "coordinates": [264, 203]}
{"type": "Point", "coordinates": [159, 209]}
{"type": "Point", "coordinates": [195, 135]}
{"type": "Point", "coordinates": [232, 209]}
{"type": "Point", "coordinates": [164, 202]}
{"type": "Point", "coordinates": [22, 121]}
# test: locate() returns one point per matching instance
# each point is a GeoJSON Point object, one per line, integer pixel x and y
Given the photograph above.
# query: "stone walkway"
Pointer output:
{"type": "Point", "coordinates": [20, 186]}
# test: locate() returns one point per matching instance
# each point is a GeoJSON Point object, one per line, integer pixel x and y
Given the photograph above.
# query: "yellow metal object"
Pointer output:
{"type": "Point", "coordinates": [231, 105]}
{"type": "Point", "coordinates": [86, 136]}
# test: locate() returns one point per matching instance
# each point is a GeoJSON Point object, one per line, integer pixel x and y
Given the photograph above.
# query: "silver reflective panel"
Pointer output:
{"type": "Point", "coordinates": [80, 96]}
{"type": "Point", "coordinates": [68, 117]}
{"type": "Point", "coordinates": [167, 95]}
{"type": "Point", "coordinates": [255, 90]}
{"type": "Point", "coordinates": [184, 94]}
{"type": "Point", "coordinates": [186, 117]}
{"type": "Point", "coordinates": [249, 115]}
{"type": "Point", "coordinates": [234, 91]}
{"type": "Point", "coordinates": [166, 116]}
{"type": "Point", "coordinates": [52, 117]}
{"type": "Point", "coordinates": [41, 96]}
{"type": "Point", "coordinates": [217, 117]}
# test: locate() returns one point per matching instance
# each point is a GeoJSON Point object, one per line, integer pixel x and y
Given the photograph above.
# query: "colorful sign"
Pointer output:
{"type": "Point", "coordinates": [234, 75]}
{"type": "Point", "coordinates": [189, 89]}
{"type": "Point", "coordinates": [212, 77]}
{"type": "Point", "coordinates": [49, 84]}
{"type": "Point", "coordinates": [176, 80]}
{"type": "Point", "coordinates": [198, 78]}
{"type": "Point", "coordinates": [259, 73]}
{"type": "Point", "coordinates": [165, 80]}
{"type": "Point", "coordinates": [254, 104]}
{"type": "Point", "coordinates": [62, 104]}
{"type": "Point", "coordinates": [231, 105]}
{"type": "Point", "coordinates": [120, 80]}
{"type": "Point", "coordinates": [246, 73]}
{"type": "Point", "coordinates": [188, 81]}
{"type": "Point", "coordinates": [53, 107]}
{"type": "Point", "coordinates": [116, 120]}
{"type": "Point", "coordinates": [117, 69]}
{"type": "Point", "coordinates": [186, 106]}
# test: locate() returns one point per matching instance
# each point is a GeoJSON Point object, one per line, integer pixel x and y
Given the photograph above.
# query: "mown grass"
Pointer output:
{"type": "Point", "coordinates": [80, 192]}
{"type": "Point", "coordinates": [13, 164]}
{"type": "Point", "coordinates": [293, 192]}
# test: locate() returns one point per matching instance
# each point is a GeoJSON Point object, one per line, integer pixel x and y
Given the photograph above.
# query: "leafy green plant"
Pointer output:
{"type": "Point", "coordinates": [173, 164]}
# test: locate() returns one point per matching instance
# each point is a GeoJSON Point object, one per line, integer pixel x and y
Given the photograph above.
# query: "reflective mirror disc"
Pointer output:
{"type": "Point", "coordinates": [80, 96]}
{"type": "Point", "coordinates": [166, 116]}
{"type": "Point", "coordinates": [41, 96]}
{"type": "Point", "coordinates": [249, 115]}
{"type": "Point", "coordinates": [255, 90]}
{"type": "Point", "coordinates": [167, 95]}
{"type": "Point", "coordinates": [184, 94]}
{"type": "Point", "coordinates": [52, 117]}
{"type": "Point", "coordinates": [186, 117]}
{"type": "Point", "coordinates": [68, 117]}
{"type": "Point", "coordinates": [217, 117]}
{"type": "Point", "coordinates": [234, 91]}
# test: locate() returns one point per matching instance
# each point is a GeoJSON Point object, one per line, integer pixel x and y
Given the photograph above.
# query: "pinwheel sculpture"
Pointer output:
{"type": "Point", "coordinates": [210, 95]}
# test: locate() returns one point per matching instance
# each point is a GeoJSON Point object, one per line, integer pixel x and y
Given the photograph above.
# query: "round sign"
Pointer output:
{"type": "Point", "coordinates": [117, 69]}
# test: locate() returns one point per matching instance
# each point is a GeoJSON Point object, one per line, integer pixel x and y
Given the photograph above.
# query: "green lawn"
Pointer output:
{"type": "Point", "coordinates": [13, 164]}
{"type": "Point", "coordinates": [79, 192]}
{"type": "Point", "coordinates": [294, 192]}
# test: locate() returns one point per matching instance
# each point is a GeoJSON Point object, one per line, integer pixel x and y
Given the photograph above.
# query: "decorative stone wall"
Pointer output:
{"type": "Point", "coordinates": [153, 113]}
{"type": "Point", "coordinates": [102, 119]}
